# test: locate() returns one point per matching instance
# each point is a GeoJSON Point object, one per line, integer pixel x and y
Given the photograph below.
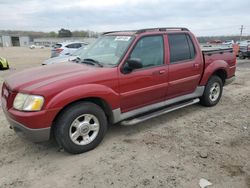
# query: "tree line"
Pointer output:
{"type": "Point", "coordinates": [222, 38]}
{"type": "Point", "coordinates": [87, 33]}
{"type": "Point", "coordinates": [61, 33]}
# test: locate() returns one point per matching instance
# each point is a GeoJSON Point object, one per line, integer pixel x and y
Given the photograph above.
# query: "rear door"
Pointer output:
{"type": "Point", "coordinates": [185, 65]}
{"type": "Point", "coordinates": [148, 84]}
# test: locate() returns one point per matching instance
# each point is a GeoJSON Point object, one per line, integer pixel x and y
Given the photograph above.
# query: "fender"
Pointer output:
{"type": "Point", "coordinates": [84, 91]}
{"type": "Point", "coordinates": [212, 68]}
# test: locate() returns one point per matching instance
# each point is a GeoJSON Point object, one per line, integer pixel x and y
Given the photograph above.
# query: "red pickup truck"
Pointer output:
{"type": "Point", "coordinates": [125, 77]}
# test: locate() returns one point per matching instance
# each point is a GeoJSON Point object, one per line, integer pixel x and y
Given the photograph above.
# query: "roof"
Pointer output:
{"type": "Point", "coordinates": [120, 33]}
{"type": "Point", "coordinates": [71, 42]}
{"type": "Point", "coordinates": [133, 32]}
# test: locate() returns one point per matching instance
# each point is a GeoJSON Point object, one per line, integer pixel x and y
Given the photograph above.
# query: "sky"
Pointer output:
{"type": "Point", "coordinates": [202, 17]}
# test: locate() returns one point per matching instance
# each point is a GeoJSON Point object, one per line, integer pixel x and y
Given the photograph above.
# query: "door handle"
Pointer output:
{"type": "Point", "coordinates": [159, 72]}
{"type": "Point", "coordinates": [162, 71]}
{"type": "Point", "coordinates": [196, 65]}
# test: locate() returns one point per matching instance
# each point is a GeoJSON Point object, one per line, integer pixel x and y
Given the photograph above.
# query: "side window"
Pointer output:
{"type": "Point", "coordinates": [181, 47]}
{"type": "Point", "coordinates": [74, 45]}
{"type": "Point", "coordinates": [78, 45]}
{"type": "Point", "coordinates": [191, 47]}
{"type": "Point", "coordinates": [70, 46]}
{"type": "Point", "coordinates": [149, 50]}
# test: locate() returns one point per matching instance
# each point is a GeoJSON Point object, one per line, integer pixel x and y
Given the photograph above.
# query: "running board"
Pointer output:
{"type": "Point", "coordinates": [159, 112]}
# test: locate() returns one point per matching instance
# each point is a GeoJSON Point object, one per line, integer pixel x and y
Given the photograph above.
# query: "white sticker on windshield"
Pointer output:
{"type": "Point", "coordinates": [122, 38]}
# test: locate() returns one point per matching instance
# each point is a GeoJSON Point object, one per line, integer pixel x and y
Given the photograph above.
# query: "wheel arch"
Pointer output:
{"type": "Point", "coordinates": [219, 68]}
{"type": "Point", "coordinates": [96, 100]}
{"type": "Point", "coordinates": [222, 73]}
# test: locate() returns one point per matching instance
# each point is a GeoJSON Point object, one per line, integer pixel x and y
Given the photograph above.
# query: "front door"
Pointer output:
{"type": "Point", "coordinates": [148, 84]}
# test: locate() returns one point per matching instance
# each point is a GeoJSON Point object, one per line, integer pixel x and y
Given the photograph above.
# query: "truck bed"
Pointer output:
{"type": "Point", "coordinates": [212, 50]}
{"type": "Point", "coordinates": [217, 55]}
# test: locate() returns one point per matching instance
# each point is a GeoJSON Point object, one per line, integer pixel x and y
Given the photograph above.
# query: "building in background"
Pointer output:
{"type": "Point", "coordinates": [7, 40]}
{"type": "Point", "coordinates": [14, 40]}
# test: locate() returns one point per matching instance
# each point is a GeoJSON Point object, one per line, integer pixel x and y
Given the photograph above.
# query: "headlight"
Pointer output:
{"type": "Point", "coordinates": [27, 102]}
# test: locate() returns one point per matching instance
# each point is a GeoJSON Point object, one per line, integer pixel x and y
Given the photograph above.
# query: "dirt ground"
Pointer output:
{"type": "Point", "coordinates": [173, 150]}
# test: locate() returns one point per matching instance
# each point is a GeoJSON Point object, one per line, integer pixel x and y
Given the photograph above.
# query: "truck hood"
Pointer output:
{"type": "Point", "coordinates": [34, 78]}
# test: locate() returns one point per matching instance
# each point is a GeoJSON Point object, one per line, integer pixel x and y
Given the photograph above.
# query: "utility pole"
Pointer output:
{"type": "Point", "coordinates": [241, 31]}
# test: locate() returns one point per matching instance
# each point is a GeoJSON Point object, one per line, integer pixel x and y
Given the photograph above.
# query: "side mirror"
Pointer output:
{"type": "Point", "coordinates": [131, 64]}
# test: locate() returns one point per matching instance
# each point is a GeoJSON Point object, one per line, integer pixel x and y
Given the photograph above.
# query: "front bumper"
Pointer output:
{"type": "Point", "coordinates": [34, 135]}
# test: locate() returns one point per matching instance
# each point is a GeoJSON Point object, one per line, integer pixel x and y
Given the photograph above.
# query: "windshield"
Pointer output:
{"type": "Point", "coordinates": [107, 50]}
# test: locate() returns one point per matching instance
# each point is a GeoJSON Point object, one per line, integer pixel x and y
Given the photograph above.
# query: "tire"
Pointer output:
{"type": "Point", "coordinates": [80, 127]}
{"type": "Point", "coordinates": [241, 56]}
{"type": "Point", "coordinates": [213, 92]}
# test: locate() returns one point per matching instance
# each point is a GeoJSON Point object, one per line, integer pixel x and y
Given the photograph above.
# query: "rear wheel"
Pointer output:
{"type": "Point", "coordinates": [81, 127]}
{"type": "Point", "coordinates": [213, 91]}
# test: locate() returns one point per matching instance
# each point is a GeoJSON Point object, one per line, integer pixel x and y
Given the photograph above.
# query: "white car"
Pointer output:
{"type": "Point", "coordinates": [33, 46]}
{"type": "Point", "coordinates": [66, 48]}
{"type": "Point", "coordinates": [65, 58]}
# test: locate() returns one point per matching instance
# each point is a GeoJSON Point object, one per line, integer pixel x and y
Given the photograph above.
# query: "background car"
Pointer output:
{"type": "Point", "coordinates": [65, 58]}
{"type": "Point", "coordinates": [243, 42]}
{"type": "Point", "coordinates": [228, 43]}
{"type": "Point", "coordinates": [66, 48]}
{"type": "Point", "coordinates": [215, 42]}
{"type": "Point", "coordinates": [4, 64]}
{"type": "Point", "coordinates": [33, 46]}
{"type": "Point", "coordinates": [244, 49]}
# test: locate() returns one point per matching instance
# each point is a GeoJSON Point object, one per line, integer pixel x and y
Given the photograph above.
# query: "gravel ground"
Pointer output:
{"type": "Point", "coordinates": [173, 150]}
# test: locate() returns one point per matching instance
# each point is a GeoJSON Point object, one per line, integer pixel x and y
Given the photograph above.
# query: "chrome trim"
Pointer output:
{"type": "Point", "coordinates": [158, 113]}
{"type": "Point", "coordinates": [118, 116]}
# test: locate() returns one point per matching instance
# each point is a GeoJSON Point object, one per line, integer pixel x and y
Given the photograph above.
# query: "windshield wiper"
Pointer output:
{"type": "Point", "coordinates": [76, 59]}
{"type": "Point", "coordinates": [91, 62]}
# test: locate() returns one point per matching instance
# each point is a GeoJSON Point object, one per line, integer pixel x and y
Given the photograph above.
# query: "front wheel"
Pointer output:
{"type": "Point", "coordinates": [213, 91]}
{"type": "Point", "coordinates": [80, 127]}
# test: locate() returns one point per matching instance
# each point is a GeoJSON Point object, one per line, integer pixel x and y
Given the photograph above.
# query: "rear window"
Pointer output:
{"type": "Point", "coordinates": [74, 45]}
{"type": "Point", "coordinates": [181, 47]}
{"type": "Point", "coordinates": [57, 46]}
